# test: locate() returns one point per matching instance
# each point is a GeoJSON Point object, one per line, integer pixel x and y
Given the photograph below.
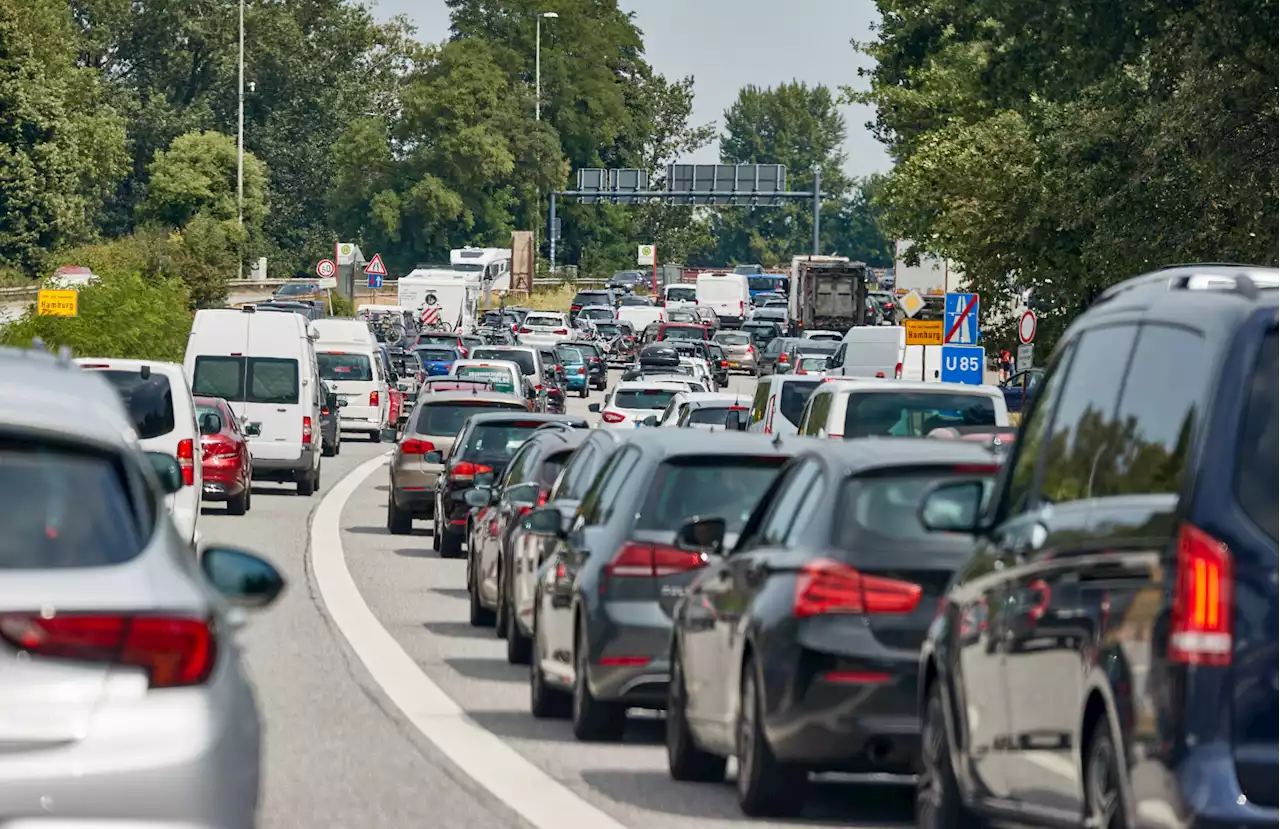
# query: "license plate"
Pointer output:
{"type": "Point", "coordinates": [733, 364]}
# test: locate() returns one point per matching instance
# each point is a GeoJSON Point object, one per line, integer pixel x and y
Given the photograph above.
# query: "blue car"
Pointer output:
{"type": "Point", "coordinates": [575, 369]}
{"type": "Point", "coordinates": [436, 359]}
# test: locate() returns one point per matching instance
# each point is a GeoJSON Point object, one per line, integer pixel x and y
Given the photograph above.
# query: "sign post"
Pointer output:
{"type": "Point", "coordinates": [375, 270]}
{"type": "Point", "coordinates": [327, 270]}
{"type": "Point", "coordinates": [648, 255]}
{"type": "Point", "coordinates": [1027, 349]}
{"type": "Point", "coordinates": [923, 333]}
{"type": "Point", "coordinates": [58, 303]}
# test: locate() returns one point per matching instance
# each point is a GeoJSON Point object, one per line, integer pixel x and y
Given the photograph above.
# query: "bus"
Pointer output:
{"type": "Point", "coordinates": [766, 282]}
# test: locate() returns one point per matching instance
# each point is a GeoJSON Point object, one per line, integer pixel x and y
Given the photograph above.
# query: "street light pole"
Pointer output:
{"type": "Point", "coordinates": [240, 143]}
{"type": "Point", "coordinates": [537, 63]}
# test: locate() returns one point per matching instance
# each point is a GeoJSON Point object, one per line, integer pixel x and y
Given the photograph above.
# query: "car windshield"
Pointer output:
{"type": "Point", "coordinates": [733, 338]}
{"type": "Point", "coordinates": [524, 359]}
{"type": "Point", "coordinates": [914, 414]}
{"type": "Point", "coordinates": [877, 515]}
{"type": "Point", "coordinates": [336, 365]}
{"type": "Point", "coordinates": [149, 401]}
{"type": "Point", "coordinates": [643, 398]}
{"type": "Point", "coordinates": [247, 379]}
{"type": "Point", "coordinates": [714, 486]}
{"type": "Point", "coordinates": [494, 444]}
{"type": "Point", "coordinates": [436, 355]}
{"type": "Point", "coordinates": [794, 394]}
{"type": "Point", "coordinates": [447, 419]}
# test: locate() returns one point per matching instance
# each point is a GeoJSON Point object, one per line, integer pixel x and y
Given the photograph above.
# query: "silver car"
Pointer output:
{"type": "Point", "coordinates": [739, 348]}
{"type": "Point", "coordinates": [121, 691]}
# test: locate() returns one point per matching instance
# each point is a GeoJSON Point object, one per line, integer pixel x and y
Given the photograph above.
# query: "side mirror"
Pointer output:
{"type": "Point", "coordinates": [704, 536]}
{"type": "Point", "coordinates": [484, 479]}
{"type": "Point", "coordinates": [341, 403]}
{"type": "Point", "coordinates": [544, 522]}
{"type": "Point", "coordinates": [388, 435]}
{"type": "Point", "coordinates": [167, 471]}
{"type": "Point", "coordinates": [952, 507]}
{"type": "Point", "coordinates": [393, 377]}
{"type": "Point", "coordinates": [245, 579]}
{"type": "Point", "coordinates": [651, 420]}
{"type": "Point", "coordinates": [434, 457]}
{"type": "Point", "coordinates": [478, 496]}
{"type": "Point", "coordinates": [210, 423]}
{"type": "Point", "coordinates": [831, 361]}
{"type": "Point", "coordinates": [593, 408]}
{"type": "Point", "coordinates": [252, 430]}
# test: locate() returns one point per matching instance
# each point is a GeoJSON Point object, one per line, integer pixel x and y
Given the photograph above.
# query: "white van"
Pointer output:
{"type": "Point", "coordinates": [871, 351]}
{"type": "Point", "coordinates": [158, 399]}
{"type": "Point", "coordinates": [264, 366]}
{"type": "Point", "coordinates": [849, 409]}
{"type": "Point", "coordinates": [679, 295]}
{"type": "Point", "coordinates": [641, 316]}
{"type": "Point", "coordinates": [728, 294]}
{"type": "Point", "coordinates": [350, 361]}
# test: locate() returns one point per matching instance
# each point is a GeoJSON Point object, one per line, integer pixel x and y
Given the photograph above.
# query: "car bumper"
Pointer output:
{"type": "Point", "coordinates": [576, 383]}
{"type": "Point", "coordinates": [266, 468]}
{"type": "Point", "coordinates": [631, 631]}
{"type": "Point", "coordinates": [358, 423]}
{"type": "Point", "coordinates": [221, 490]}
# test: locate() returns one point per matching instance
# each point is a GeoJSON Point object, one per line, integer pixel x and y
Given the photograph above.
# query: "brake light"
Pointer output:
{"type": "Point", "coordinates": [175, 651]}
{"type": "Point", "coordinates": [575, 307]}
{"type": "Point", "coordinates": [581, 370]}
{"type": "Point", "coordinates": [724, 364]}
{"type": "Point", "coordinates": [751, 349]}
{"type": "Point", "coordinates": [641, 559]}
{"type": "Point", "coordinates": [1201, 623]}
{"type": "Point", "coordinates": [542, 498]}
{"type": "Point", "coordinates": [612, 417]}
{"type": "Point", "coordinates": [782, 358]}
{"type": "Point", "coordinates": [976, 468]}
{"type": "Point", "coordinates": [324, 410]}
{"type": "Point", "coordinates": [466, 469]}
{"type": "Point", "coordinates": [827, 586]}
{"type": "Point", "coordinates": [526, 330]}
{"type": "Point", "coordinates": [306, 430]}
{"type": "Point", "coordinates": [897, 372]}
{"type": "Point", "coordinates": [187, 460]}
{"type": "Point", "coordinates": [219, 449]}
{"type": "Point", "coordinates": [414, 446]}
{"type": "Point", "coordinates": [373, 398]}
{"type": "Point", "coordinates": [561, 331]}
{"type": "Point", "coordinates": [523, 512]}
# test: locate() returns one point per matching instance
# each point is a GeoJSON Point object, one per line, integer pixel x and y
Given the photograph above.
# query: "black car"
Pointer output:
{"type": "Point", "coordinates": [330, 434]}
{"type": "Point", "coordinates": [796, 649]}
{"type": "Point", "coordinates": [762, 333]}
{"type": "Point", "coordinates": [584, 299]}
{"type": "Point", "coordinates": [630, 280]}
{"type": "Point", "coordinates": [1107, 657]}
{"type": "Point", "coordinates": [603, 608]}
{"type": "Point", "coordinates": [484, 446]}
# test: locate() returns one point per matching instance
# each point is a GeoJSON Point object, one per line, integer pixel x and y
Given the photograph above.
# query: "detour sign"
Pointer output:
{"type": "Point", "coordinates": [58, 303]}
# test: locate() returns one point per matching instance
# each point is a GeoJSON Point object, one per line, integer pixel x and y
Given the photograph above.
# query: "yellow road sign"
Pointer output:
{"type": "Point", "coordinates": [51, 303]}
{"type": "Point", "coordinates": [924, 332]}
{"type": "Point", "coordinates": [911, 303]}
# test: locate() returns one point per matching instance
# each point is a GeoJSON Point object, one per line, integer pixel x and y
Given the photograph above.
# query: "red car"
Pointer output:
{"type": "Point", "coordinates": [228, 472]}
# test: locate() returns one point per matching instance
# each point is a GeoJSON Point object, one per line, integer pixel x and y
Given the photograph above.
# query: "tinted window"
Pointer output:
{"type": "Point", "coordinates": [589, 349]}
{"type": "Point", "coordinates": [914, 414]}
{"type": "Point", "coordinates": [577, 473]}
{"type": "Point", "coordinates": [782, 513]}
{"type": "Point", "coordinates": [599, 501]}
{"type": "Point", "coordinates": [597, 313]}
{"type": "Point", "coordinates": [436, 355]}
{"type": "Point", "coordinates": [1256, 470]}
{"type": "Point", "coordinates": [149, 402]}
{"type": "Point", "coordinates": [763, 283]}
{"type": "Point", "coordinates": [448, 418]}
{"type": "Point", "coordinates": [733, 338]}
{"type": "Point", "coordinates": [524, 359]}
{"type": "Point", "coordinates": [544, 321]}
{"type": "Point", "coordinates": [219, 377]}
{"type": "Point", "coordinates": [609, 329]}
{"type": "Point", "coordinates": [270, 380]}
{"type": "Point", "coordinates": [1079, 453]}
{"type": "Point", "coordinates": [495, 444]}
{"type": "Point", "coordinates": [877, 515]}
{"type": "Point", "coordinates": [1034, 429]}
{"type": "Point", "coordinates": [678, 333]}
{"type": "Point", "coordinates": [760, 401]}
{"type": "Point", "coordinates": [682, 294]}
{"type": "Point", "coordinates": [571, 356]}
{"type": "Point", "coordinates": [793, 396]}
{"type": "Point", "coordinates": [64, 509]}
{"type": "Point", "coordinates": [344, 366]}
{"type": "Point", "coordinates": [715, 486]}
{"type": "Point", "coordinates": [643, 398]}
{"type": "Point", "coordinates": [708, 415]}
{"type": "Point", "coordinates": [583, 298]}
{"type": "Point", "coordinates": [552, 465]}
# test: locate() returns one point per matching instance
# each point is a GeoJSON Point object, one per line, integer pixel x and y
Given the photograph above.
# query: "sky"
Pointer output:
{"type": "Point", "coordinates": [765, 42]}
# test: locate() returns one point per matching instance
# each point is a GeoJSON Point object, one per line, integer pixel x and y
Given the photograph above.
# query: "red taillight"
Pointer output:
{"type": "Point", "coordinates": [897, 372]}
{"type": "Point", "coordinates": [801, 371]}
{"type": "Point", "coordinates": [856, 677]}
{"type": "Point", "coordinates": [826, 586]}
{"type": "Point", "coordinates": [306, 430]}
{"type": "Point", "coordinates": [466, 469]}
{"type": "Point", "coordinates": [782, 358]}
{"type": "Point", "coordinates": [612, 417]}
{"type": "Point", "coordinates": [523, 511]}
{"type": "Point", "coordinates": [751, 349]}
{"type": "Point", "coordinates": [526, 330]}
{"type": "Point", "coordinates": [174, 651]}
{"type": "Point", "coordinates": [561, 331]}
{"type": "Point", "coordinates": [324, 410]}
{"type": "Point", "coordinates": [373, 398]}
{"type": "Point", "coordinates": [575, 307]}
{"type": "Point", "coordinates": [216, 448]}
{"type": "Point", "coordinates": [641, 559]}
{"type": "Point", "coordinates": [976, 468]}
{"type": "Point", "coordinates": [187, 460]}
{"type": "Point", "coordinates": [580, 370]}
{"type": "Point", "coordinates": [542, 498]}
{"type": "Point", "coordinates": [879, 375]}
{"type": "Point", "coordinates": [414, 446]}
{"type": "Point", "coordinates": [724, 364]}
{"type": "Point", "coordinates": [1201, 623]}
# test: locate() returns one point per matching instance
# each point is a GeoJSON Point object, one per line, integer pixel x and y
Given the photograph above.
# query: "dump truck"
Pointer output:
{"type": "Point", "coordinates": [828, 293]}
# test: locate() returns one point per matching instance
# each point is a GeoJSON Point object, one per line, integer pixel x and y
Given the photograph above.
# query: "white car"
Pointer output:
{"type": "Point", "coordinates": [699, 370]}
{"type": "Point", "coordinates": [627, 404]}
{"type": "Point", "coordinates": [545, 328]}
{"type": "Point", "coordinates": [670, 417]}
{"type": "Point", "coordinates": [829, 336]}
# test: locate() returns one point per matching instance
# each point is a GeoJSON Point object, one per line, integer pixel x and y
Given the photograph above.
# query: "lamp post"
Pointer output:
{"type": "Point", "coordinates": [537, 63]}
{"type": "Point", "coordinates": [240, 143]}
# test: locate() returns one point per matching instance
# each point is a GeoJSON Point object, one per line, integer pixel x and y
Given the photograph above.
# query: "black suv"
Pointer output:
{"type": "Point", "coordinates": [1108, 654]}
{"type": "Point", "coordinates": [585, 299]}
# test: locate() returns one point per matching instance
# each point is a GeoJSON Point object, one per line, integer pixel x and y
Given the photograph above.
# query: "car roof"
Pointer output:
{"type": "Point", "coordinates": [505, 348]}
{"type": "Point", "coordinates": [491, 417]}
{"type": "Point", "coordinates": [675, 442]}
{"type": "Point", "coordinates": [480, 393]}
{"type": "Point", "coordinates": [173, 371]}
{"type": "Point", "coordinates": [857, 384]}
{"type": "Point", "coordinates": [875, 453]}
{"type": "Point", "coordinates": [664, 385]}
{"type": "Point", "coordinates": [44, 394]}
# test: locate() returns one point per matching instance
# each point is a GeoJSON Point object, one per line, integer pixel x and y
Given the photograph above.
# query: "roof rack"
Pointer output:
{"type": "Point", "coordinates": [1242, 280]}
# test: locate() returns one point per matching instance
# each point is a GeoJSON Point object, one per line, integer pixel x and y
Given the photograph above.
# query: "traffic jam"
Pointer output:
{"type": "Point", "coordinates": [788, 538]}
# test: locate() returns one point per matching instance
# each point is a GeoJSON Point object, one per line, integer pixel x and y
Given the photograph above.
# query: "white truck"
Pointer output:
{"type": "Point", "coordinates": [932, 277]}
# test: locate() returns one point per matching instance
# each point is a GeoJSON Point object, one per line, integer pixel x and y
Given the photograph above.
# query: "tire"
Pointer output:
{"type": "Point", "coordinates": [938, 804]}
{"type": "Point", "coordinates": [502, 612]}
{"type": "Point", "coordinates": [1105, 806]}
{"type": "Point", "coordinates": [584, 394]}
{"type": "Point", "coordinates": [399, 522]}
{"type": "Point", "coordinates": [519, 646]}
{"type": "Point", "coordinates": [594, 721]}
{"type": "Point", "coordinates": [307, 483]}
{"type": "Point", "coordinates": [450, 543]}
{"type": "Point", "coordinates": [248, 495]}
{"type": "Point", "coordinates": [238, 504]}
{"type": "Point", "coordinates": [435, 539]}
{"type": "Point", "coordinates": [480, 615]}
{"type": "Point", "coordinates": [685, 761]}
{"type": "Point", "coordinates": [327, 450]}
{"type": "Point", "coordinates": [766, 787]}
{"type": "Point", "coordinates": [337, 445]}
{"type": "Point", "coordinates": [545, 702]}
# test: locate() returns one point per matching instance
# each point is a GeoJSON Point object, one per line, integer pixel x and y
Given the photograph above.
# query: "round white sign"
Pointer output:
{"type": "Point", "coordinates": [1027, 327]}
{"type": "Point", "coordinates": [326, 268]}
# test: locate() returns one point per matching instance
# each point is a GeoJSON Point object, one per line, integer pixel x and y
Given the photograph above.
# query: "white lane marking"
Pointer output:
{"type": "Point", "coordinates": [536, 796]}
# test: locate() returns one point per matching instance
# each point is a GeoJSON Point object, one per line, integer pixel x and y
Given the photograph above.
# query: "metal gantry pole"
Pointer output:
{"type": "Point", "coordinates": [537, 69]}
{"type": "Point", "coordinates": [551, 233]}
{"type": "Point", "coordinates": [817, 210]}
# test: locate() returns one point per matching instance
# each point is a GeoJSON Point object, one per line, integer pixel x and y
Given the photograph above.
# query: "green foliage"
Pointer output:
{"type": "Point", "coordinates": [196, 176]}
{"type": "Point", "coordinates": [123, 316]}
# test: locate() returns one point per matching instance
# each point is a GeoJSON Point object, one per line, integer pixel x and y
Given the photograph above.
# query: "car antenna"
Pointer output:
{"type": "Point", "coordinates": [777, 440]}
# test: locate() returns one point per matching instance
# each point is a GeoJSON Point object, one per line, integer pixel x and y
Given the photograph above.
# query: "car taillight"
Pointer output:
{"type": "Point", "coordinates": [897, 372]}
{"type": "Point", "coordinates": [542, 498]}
{"type": "Point", "coordinates": [827, 586]}
{"type": "Point", "coordinates": [561, 331]}
{"type": "Point", "coordinates": [373, 398]}
{"type": "Point", "coordinates": [801, 371]}
{"type": "Point", "coordinates": [575, 307]}
{"type": "Point", "coordinates": [742, 308]}
{"type": "Point", "coordinates": [751, 350]}
{"type": "Point", "coordinates": [175, 651]}
{"type": "Point", "coordinates": [580, 370]}
{"type": "Point", "coordinates": [526, 330]}
{"type": "Point", "coordinates": [466, 469]}
{"type": "Point", "coordinates": [324, 410]}
{"type": "Point", "coordinates": [612, 417]}
{"type": "Point", "coordinates": [187, 460]}
{"type": "Point", "coordinates": [1201, 622]}
{"type": "Point", "coordinates": [641, 559]}
{"type": "Point", "coordinates": [306, 430]}
{"type": "Point", "coordinates": [782, 358]}
{"type": "Point", "coordinates": [414, 446]}
{"type": "Point", "coordinates": [219, 449]}
{"type": "Point", "coordinates": [724, 364]}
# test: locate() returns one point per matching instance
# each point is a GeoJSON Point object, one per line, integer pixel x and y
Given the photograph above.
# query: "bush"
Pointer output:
{"type": "Point", "coordinates": [124, 316]}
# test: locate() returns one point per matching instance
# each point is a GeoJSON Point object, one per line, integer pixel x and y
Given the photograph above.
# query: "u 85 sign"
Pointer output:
{"type": "Point", "coordinates": [963, 364]}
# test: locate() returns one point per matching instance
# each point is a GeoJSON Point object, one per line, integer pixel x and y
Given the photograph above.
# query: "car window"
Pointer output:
{"type": "Point", "coordinates": [1255, 474]}
{"type": "Point", "coordinates": [680, 333]}
{"type": "Point", "coordinates": [448, 418]}
{"type": "Point", "coordinates": [149, 401]}
{"type": "Point", "coordinates": [733, 338]}
{"type": "Point", "coordinates": [760, 401]}
{"type": "Point", "coordinates": [816, 413]}
{"type": "Point", "coordinates": [708, 416]}
{"type": "Point", "coordinates": [652, 399]}
{"type": "Point", "coordinates": [1081, 444]}
{"type": "Point", "coordinates": [336, 365]}
{"type": "Point", "coordinates": [1026, 452]}
{"type": "Point", "coordinates": [877, 514]}
{"type": "Point", "coordinates": [436, 355]}
{"type": "Point", "coordinates": [598, 502]}
{"type": "Point", "coordinates": [576, 475]}
{"type": "Point", "coordinates": [786, 503]}
{"type": "Point", "coordinates": [794, 394]}
{"type": "Point", "coordinates": [494, 444]}
{"type": "Point", "coordinates": [706, 486]}
{"type": "Point", "coordinates": [65, 508]}
{"type": "Point", "coordinates": [551, 467]}
{"type": "Point", "coordinates": [272, 380]}
{"type": "Point", "coordinates": [520, 466]}
{"type": "Point", "coordinates": [524, 359]}
{"type": "Point", "coordinates": [914, 414]}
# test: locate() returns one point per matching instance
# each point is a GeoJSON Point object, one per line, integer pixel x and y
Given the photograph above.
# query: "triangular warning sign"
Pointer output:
{"type": "Point", "coordinates": [375, 267]}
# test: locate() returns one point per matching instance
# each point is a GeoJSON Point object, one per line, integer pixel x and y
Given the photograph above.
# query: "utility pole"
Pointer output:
{"type": "Point", "coordinates": [537, 62]}
{"type": "Point", "coordinates": [240, 142]}
{"type": "Point", "coordinates": [817, 210]}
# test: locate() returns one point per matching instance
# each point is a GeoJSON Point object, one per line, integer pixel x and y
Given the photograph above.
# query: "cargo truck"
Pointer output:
{"type": "Point", "coordinates": [828, 293]}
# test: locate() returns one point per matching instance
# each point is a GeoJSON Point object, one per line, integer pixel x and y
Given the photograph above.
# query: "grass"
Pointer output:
{"type": "Point", "coordinates": [542, 299]}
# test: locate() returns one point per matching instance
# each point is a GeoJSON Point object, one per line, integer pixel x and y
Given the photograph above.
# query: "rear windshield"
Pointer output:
{"type": "Point", "coordinates": [688, 294]}
{"type": "Point", "coordinates": [914, 414]}
{"type": "Point", "coordinates": [299, 289]}
{"type": "Point", "coordinates": [436, 355]}
{"type": "Point", "coordinates": [64, 509]}
{"type": "Point", "coordinates": [543, 321]}
{"type": "Point", "coordinates": [813, 363]}
{"type": "Point", "coordinates": [1256, 483]}
{"type": "Point", "coordinates": [524, 359]}
{"type": "Point", "coordinates": [714, 486]}
{"type": "Point", "coordinates": [149, 402]}
{"type": "Point", "coordinates": [572, 356]}
{"type": "Point", "coordinates": [405, 363]}
{"type": "Point", "coordinates": [794, 394]}
{"type": "Point", "coordinates": [597, 313]}
{"type": "Point", "coordinates": [609, 329]}
{"type": "Point", "coordinates": [448, 418]}
{"type": "Point", "coordinates": [247, 379]}
{"type": "Point", "coordinates": [733, 338]}
{"type": "Point", "coordinates": [495, 444]}
{"type": "Point", "coordinates": [451, 339]}
{"type": "Point", "coordinates": [880, 514]}
{"type": "Point", "coordinates": [817, 347]}
{"type": "Point", "coordinates": [679, 333]}
{"type": "Point", "coordinates": [498, 376]}
{"type": "Point", "coordinates": [344, 366]}
{"type": "Point", "coordinates": [583, 298]}
{"type": "Point", "coordinates": [764, 283]}
{"type": "Point", "coordinates": [643, 398]}
{"type": "Point", "coordinates": [709, 415]}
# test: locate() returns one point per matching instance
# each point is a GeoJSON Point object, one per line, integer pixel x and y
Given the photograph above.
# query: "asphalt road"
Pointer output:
{"type": "Point", "coordinates": [345, 744]}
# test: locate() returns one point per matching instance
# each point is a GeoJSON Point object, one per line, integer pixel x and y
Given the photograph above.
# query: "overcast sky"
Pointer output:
{"type": "Point", "coordinates": [727, 44]}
